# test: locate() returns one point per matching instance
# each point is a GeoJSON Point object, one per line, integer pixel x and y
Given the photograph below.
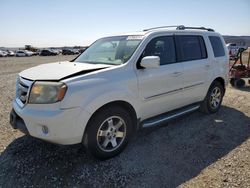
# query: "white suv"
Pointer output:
{"type": "Point", "coordinates": [121, 83]}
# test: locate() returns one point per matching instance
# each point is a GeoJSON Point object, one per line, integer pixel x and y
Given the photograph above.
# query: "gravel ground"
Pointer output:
{"type": "Point", "coordinates": [195, 151]}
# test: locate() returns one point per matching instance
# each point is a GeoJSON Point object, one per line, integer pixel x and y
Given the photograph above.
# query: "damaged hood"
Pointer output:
{"type": "Point", "coordinates": [60, 70]}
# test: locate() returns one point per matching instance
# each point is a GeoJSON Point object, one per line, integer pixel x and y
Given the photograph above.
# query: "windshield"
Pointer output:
{"type": "Point", "coordinates": [111, 50]}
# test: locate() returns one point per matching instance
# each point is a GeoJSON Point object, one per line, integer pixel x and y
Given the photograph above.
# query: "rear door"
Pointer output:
{"type": "Point", "coordinates": [191, 51]}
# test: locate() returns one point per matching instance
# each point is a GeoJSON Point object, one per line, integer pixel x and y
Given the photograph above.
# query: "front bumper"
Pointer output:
{"type": "Point", "coordinates": [17, 122]}
{"type": "Point", "coordinates": [52, 124]}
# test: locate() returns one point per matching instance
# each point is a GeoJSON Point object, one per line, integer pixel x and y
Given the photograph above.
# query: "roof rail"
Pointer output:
{"type": "Point", "coordinates": [179, 27]}
{"type": "Point", "coordinates": [162, 27]}
{"type": "Point", "coordinates": [182, 27]}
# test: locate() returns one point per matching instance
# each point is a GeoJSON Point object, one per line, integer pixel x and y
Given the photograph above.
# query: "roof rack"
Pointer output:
{"type": "Point", "coordinates": [162, 27]}
{"type": "Point", "coordinates": [180, 27]}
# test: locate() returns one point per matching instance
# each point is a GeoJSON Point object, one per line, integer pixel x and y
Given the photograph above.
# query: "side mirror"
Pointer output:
{"type": "Point", "coordinates": [150, 62]}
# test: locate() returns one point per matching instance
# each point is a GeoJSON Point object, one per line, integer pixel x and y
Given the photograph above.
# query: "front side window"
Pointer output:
{"type": "Point", "coordinates": [217, 46]}
{"type": "Point", "coordinates": [190, 48]}
{"type": "Point", "coordinates": [163, 47]}
{"type": "Point", "coordinates": [111, 50]}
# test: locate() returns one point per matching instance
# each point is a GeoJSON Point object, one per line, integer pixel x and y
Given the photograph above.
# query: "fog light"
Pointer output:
{"type": "Point", "coordinates": [45, 129]}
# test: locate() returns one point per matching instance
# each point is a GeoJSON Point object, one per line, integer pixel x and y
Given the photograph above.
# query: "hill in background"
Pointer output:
{"type": "Point", "coordinates": [239, 40]}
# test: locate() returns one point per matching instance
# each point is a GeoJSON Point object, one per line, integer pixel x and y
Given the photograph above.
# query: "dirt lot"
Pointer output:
{"type": "Point", "coordinates": [195, 151]}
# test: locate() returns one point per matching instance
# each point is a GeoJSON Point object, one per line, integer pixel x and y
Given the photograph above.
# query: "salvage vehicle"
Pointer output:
{"type": "Point", "coordinates": [121, 84]}
{"type": "Point", "coordinates": [20, 53]}
{"type": "Point", "coordinates": [69, 52]}
{"type": "Point", "coordinates": [23, 53]}
{"type": "Point", "coordinates": [48, 52]}
{"type": "Point", "coordinates": [3, 53]}
{"type": "Point", "coordinates": [10, 53]}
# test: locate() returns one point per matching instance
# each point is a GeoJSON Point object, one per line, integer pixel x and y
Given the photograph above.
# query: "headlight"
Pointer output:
{"type": "Point", "coordinates": [47, 92]}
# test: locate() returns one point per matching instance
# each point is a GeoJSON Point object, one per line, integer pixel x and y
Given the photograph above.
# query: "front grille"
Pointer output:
{"type": "Point", "coordinates": [22, 92]}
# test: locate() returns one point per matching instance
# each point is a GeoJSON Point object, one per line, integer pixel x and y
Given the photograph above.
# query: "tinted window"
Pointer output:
{"type": "Point", "coordinates": [163, 47]}
{"type": "Point", "coordinates": [203, 47]}
{"type": "Point", "coordinates": [190, 48]}
{"type": "Point", "coordinates": [217, 46]}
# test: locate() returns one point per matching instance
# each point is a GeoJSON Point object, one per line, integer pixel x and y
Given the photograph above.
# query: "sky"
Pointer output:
{"type": "Point", "coordinates": [44, 23]}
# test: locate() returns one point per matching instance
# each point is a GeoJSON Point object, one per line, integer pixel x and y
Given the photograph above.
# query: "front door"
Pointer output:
{"type": "Point", "coordinates": [160, 88]}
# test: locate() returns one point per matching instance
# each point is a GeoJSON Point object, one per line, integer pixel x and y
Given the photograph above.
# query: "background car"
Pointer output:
{"type": "Point", "coordinates": [35, 53]}
{"type": "Point", "coordinates": [10, 53]}
{"type": "Point", "coordinates": [3, 53]}
{"type": "Point", "coordinates": [29, 53]}
{"type": "Point", "coordinates": [20, 53]}
{"type": "Point", "coordinates": [48, 52]}
{"type": "Point", "coordinates": [82, 50]}
{"type": "Point", "coordinates": [69, 52]}
{"type": "Point", "coordinates": [56, 51]}
{"type": "Point", "coordinates": [23, 53]}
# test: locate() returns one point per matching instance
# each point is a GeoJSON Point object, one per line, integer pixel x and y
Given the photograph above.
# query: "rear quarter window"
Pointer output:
{"type": "Point", "coordinates": [217, 46]}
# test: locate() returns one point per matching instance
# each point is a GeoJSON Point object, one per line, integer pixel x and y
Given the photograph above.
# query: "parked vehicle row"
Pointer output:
{"type": "Point", "coordinates": [18, 53]}
{"type": "Point", "coordinates": [6, 53]}
{"type": "Point", "coordinates": [52, 52]}
{"type": "Point", "coordinates": [43, 52]}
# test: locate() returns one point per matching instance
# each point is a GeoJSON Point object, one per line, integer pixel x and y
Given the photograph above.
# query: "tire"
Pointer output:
{"type": "Point", "coordinates": [232, 80]}
{"type": "Point", "coordinates": [108, 132]}
{"type": "Point", "coordinates": [213, 99]}
{"type": "Point", "coordinates": [239, 83]}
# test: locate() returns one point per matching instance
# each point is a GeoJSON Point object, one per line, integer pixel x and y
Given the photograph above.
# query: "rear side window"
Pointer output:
{"type": "Point", "coordinates": [217, 46]}
{"type": "Point", "coordinates": [163, 47]}
{"type": "Point", "coordinates": [190, 47]}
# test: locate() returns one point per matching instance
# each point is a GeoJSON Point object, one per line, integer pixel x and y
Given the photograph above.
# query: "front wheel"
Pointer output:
{"type": "Point", "coordinates": [213, 99]}
{"type": "Point", "coordinates": [108, 132]}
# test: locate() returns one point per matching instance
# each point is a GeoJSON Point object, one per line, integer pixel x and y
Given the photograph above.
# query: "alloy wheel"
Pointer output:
{"type": "Point", "coordinates": [111, 133]}
{"type": "Point", "coordinates": [215, 98]}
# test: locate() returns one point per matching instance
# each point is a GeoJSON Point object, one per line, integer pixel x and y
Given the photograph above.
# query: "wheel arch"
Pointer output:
{"type": "Point", "coordinates": [220, 80]}
{"type": "Point", "coordinates": [125, 105]}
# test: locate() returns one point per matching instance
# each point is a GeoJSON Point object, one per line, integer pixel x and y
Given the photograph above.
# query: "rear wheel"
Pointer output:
{"type": "Point", "coordinates": [239, 83]}
{"type": "Point", "coordinates": [232, 80]}
{"type": "Point", "coordinates": [108, 132]}
{"type": "Point", "coordinates": [212, 102]}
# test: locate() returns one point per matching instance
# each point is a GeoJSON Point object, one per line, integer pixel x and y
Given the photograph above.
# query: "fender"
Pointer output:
{"type": "Point", "coordinates": [91, 106]}
{"type": "Point", "coordinates": [96, 90]}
